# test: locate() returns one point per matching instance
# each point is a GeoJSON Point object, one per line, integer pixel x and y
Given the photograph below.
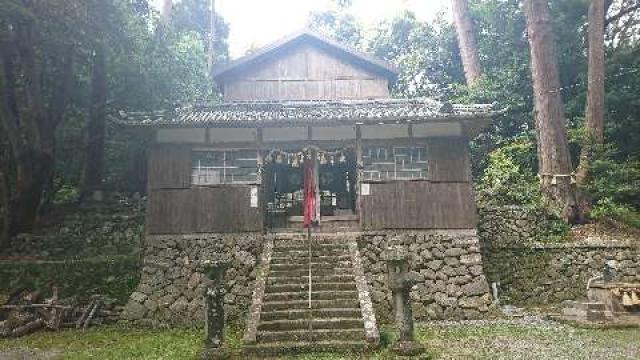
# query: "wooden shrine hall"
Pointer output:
{"type": "Point", "coordinates": [378, 162]}
{"type": "Point", "coordinates": [308, 136]}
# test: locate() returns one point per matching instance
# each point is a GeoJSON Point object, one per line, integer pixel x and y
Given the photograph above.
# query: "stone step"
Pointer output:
{"type": "Point", "coordinates": [304, 279]}
{"type": "Point", "coordinates": [315, 304]}
{"type": "Point", "coordinates": [315, 271]}
{"type": "Point", "coordinates": [304, 258]}
{"type": "Point", "coordinates": [314, 265]}
{"type": "Point", "coordinates": [315, 295]}
{"type": "Point", "coordinates": [261, 351]}
{"type": "Point", "coordinates": [298, 254]}
{"type": "Point", "coordinates": [285, 247]}
{"type": "Point", "coordinates": [311, 335]}
{"type": "Point", "coordinates": [279, 288]}
{"type": "Point", "coordinates": [293, 314]}
{"type": "Point", "coordinates": [305, 324]}
{"type": "Point", "coordinates": [314, 242]}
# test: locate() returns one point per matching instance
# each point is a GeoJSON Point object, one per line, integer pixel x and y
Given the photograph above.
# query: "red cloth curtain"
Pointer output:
{"type": "Point", "coordinates": [310, 198]}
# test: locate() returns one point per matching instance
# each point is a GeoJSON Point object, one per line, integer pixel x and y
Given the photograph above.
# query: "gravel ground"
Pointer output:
{"type": "Point", "coordinates": [30, 354]}
{"type": "Point", "coordinates": [530, 337]}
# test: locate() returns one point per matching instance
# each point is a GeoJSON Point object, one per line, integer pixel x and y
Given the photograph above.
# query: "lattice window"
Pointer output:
{"type": "Point", "coordinates": [394, 163]}
{"type": "Point", "coordinates": [224, 167]}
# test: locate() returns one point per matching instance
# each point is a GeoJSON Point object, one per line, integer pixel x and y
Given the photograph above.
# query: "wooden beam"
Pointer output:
{"type": "Point", "coordinates": [359, 167]}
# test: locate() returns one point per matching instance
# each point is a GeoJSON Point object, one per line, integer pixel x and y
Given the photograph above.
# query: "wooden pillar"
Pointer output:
{"type": "Point", "coordinates": [259, 154]}
{"type": "Point", "coordinates": [359, 167]}
{"type": "Point", "coordinates": [262, 198]}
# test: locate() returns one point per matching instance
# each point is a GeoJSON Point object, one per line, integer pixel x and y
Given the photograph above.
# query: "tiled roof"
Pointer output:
{"type": "Point", "coordinates": [292, 113]}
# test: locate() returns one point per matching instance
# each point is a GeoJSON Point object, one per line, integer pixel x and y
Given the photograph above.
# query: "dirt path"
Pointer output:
{"type": "Point", "coordinates": [30, 354]}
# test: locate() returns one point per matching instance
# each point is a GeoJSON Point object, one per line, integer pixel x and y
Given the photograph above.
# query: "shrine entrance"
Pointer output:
{"type": "Point", "coordinates": [334, 172]}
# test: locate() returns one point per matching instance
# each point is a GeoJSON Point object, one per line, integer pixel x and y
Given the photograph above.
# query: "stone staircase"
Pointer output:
{"type": "Point", "coordinates": [335, 321]}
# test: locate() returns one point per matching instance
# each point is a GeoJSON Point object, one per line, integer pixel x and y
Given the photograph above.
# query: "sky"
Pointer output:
{"type": "Point", "coordinates": [254, 23]}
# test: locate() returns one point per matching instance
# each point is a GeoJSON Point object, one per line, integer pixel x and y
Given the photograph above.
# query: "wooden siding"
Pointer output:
{"type": "Point", "coordinates": [449, 159]}
{"type": "Point", "coordinates": [305, 72]}
{"type": "Point", "coordinates": [170, 167]}
{"type": "Point", "coordinates": [418, 205]}
{"type": "Point", "coordinates": [201, 210]}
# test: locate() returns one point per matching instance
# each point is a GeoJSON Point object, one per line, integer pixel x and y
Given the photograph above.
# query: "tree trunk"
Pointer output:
{"type": "Point", "coordinates": [212, 38]}
{"type": "Point", "coordinates": [29, 120]}
{"type": "Point", "coordinates": [553, 150]}
{"type": "Point", "coordinates": [594, 114]}
{"type": "Point", "coordinates": [94, 161]}
{"type": "Point", "coordinates": [4, 211]}
{"type": "Point", "coordinates": [165, 11]}
{"type": "Point", "coordinates": [33, 171]}
{"type": "Point", "coordinates": [466, 40]}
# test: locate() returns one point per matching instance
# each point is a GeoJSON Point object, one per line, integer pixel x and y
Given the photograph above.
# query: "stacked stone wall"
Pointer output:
{"type": "Point", "coordinates": [550, 273]}
{"type": "Point", "coordinates": [451, 283]}
{"type": "Point", "coordinates": [510, 225]}
{"type": "Point", "coordinates": [172, 283]}
{"type": "Point", "coordinates": [530, 271]}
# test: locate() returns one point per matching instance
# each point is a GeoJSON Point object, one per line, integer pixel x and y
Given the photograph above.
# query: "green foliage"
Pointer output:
{"type": "Point", "coordinates": [65, 193]}
{"type": "Point", "coordinates": [618, 181]}
{"type": "Point", "coordinates": [509, 177]}
{"type": "Point", "coordinates": [338, 25]}
{"type": "Point", "coordinates": [387, 336]}
{"type": "Point", "coordinates": [606, 209]}
{"type": "Point", "coordinates": [194, 16]}
{"type": "Point", "coordinates": [425, 54]}
{"type": "Point", "coordinates": [614, 186]}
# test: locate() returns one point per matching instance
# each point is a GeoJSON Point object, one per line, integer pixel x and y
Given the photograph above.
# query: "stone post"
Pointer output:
{"type": "Point", "coordinates": [400, 282]}
{"type": "Point", "coordinates": [214, 309]}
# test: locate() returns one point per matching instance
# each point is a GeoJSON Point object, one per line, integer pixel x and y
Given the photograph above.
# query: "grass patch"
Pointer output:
{"type": "Point", "coordinates": [489, 341]}
{"type": "Point", "coordinates": [115, 343]}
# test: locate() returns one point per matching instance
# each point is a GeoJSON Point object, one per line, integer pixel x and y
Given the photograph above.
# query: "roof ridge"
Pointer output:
{"type": "Point", "coordinates": [379, 65]}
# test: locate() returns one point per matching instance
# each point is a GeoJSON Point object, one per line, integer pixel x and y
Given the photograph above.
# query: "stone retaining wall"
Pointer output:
{"type": "Point", "coordinates": [550, 273]}
{"type": "Point", "coordinates": [171, 287]}
{"type": "Point", "coordinates": [452, 283]}
{"type": "Point", "coordinates": [88, 231]}
{"type": "Point", "coordinates": [508, 225]}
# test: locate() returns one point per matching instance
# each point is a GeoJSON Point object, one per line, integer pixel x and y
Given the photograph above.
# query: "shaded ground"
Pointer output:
{"type": "Point", "coordinates": [522, 339]}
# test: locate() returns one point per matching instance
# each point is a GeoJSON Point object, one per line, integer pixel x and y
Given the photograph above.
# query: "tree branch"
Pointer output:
{"type": "Point", "coordinates": [622, 13]}
{"type": "Point", "coordinates": [60, 96]}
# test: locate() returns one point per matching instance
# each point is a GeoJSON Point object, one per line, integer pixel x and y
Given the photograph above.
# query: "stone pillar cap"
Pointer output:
{"type": "Point", "coordinates": [395, 253]}
{"type": "Point", "coordinates": [214, 265]}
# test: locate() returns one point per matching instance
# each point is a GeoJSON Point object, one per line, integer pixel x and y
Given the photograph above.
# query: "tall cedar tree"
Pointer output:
{"type": "Point", "coordinates": [594, 114]}
{"type": "Point", "coordinates": [212, 35]}
{"type": "Point", "coordinates": [94, 161]}
{"type": "Point", "coordinates": [165, 11]}
{"type": "Point", "coordinates": [33, 101]}
{"type": "Point", "coordinates": [466, 40]}
{"type": "Point", "coordinates": [553, 151]}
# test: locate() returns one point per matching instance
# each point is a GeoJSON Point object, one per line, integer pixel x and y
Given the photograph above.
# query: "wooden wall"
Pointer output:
{"type": "Point", "coordinates": [305, 72]}
{"type": "Point", "coordinates": [175, 207]}
{"type": "Point", "coordinates": [449, 159]}
{"type": "Point", "coordinates": [444, 201]}
{"type": "Point", "coordinates": [202, 209]}
{"type": "Point", "coordinates": [418, 205]}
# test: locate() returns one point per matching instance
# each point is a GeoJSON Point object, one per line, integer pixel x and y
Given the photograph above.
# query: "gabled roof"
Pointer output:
{"type": "Point", "coordinates": [314, 112]}
{"type": "Point", "coordinates": [351, 55]}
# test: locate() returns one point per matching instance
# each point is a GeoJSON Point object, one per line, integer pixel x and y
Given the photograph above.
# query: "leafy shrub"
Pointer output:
{"type": "Point", "coordinates": [605, 209]}
{"type": "Point", "coordinates": [618, 181]}
{"type": "Point", "coordinates": [614, 187]}
{"type": "Point", "coordinates": [509, 177]}
{"type": "Point", "coordinates": [65, 193]}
